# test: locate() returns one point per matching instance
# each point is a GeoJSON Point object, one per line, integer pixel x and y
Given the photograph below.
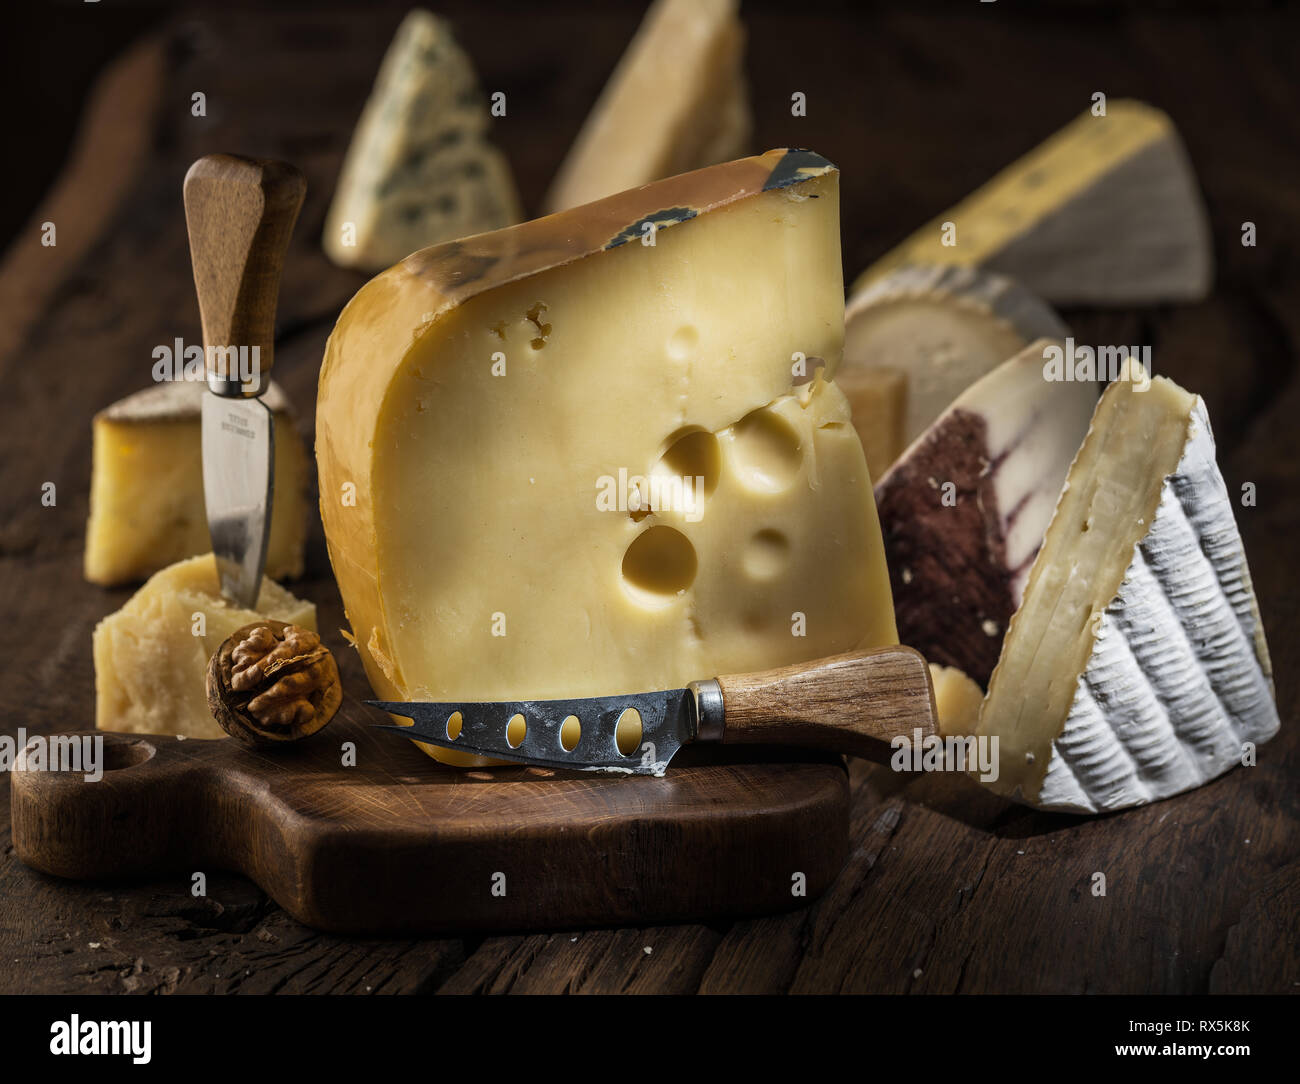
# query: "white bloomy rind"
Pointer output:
{"type": "Point", "coordinates": [1179, 678]}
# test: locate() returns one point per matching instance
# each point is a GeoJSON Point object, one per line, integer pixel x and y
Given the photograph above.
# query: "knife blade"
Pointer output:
{"type": "Point", "coordinates": [856, 704]}
{"type": "Point", "coordinates": [240, 214]}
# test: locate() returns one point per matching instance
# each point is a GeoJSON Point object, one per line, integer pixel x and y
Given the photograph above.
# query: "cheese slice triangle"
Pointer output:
{"type": "Point", "coordinates": [1136, 667]}
{"type": "Point", "coordinates": [494, 416]}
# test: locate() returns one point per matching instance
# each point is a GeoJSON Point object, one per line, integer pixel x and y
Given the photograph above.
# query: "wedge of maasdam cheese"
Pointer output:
{"type": "Point", "coordinates": [677, 101]}
{"type": "Point", "coordinates": [151, 656]}
{"type": "Point", "coordinates": [1107, 211]}
{"type": "Point", "coordinates": [944, 327]}
{"type": "Point", "coordinates": [965, 509]}
{"type": "Point", "coordinates": [420, 168]}
{"type": "Point", "coordinates": [146, 487]}
{"type": "Point", "coordinates": [1136, 666]}
{"type": "Point", "coordinates": [492, 412]}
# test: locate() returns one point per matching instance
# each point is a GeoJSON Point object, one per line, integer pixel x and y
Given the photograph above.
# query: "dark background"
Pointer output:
{"type": "Point", "coordinates": [947, 888]}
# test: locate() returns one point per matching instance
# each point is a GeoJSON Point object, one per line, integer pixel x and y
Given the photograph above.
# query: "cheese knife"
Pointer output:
{"type": "Point", "coordinates": [854, 703]}
{"type": "Point", "coordinates": [240, 213]}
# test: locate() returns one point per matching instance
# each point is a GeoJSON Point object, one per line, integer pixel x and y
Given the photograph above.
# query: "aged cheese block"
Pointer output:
{"type": "Point", "coordinates": [151, 656]}
{"type": "Point", "coordinates": [1106, 211]}
{"type": "Point", "coordinates": [419, 169]}
{"type": "Point", "coordinates": [945, 327]}
{"type": "Point", "coordinates": [146, 487]}
{"type": "Point", "coordinates": [965, 509]}
{"type": "Point", "coordinates": [677, 101]}
{"type": "Point", "coordinates": [878, 399]}
{"type": "Point", "coordinates": [957, 700]}
{"type": "Point", "coordinates": [1136, 666]}
{"type": "Point", "coordinates": [496, 415]}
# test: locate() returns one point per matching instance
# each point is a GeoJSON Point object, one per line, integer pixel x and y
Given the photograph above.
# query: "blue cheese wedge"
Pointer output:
{"type": "Point", "coordinates": [420, 169]}
{"type": "Point", "coordinates": [1136, 667]}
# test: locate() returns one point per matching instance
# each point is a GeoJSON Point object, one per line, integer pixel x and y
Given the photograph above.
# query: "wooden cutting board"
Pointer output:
{"type": "Point", "coordinates": [400, 844]}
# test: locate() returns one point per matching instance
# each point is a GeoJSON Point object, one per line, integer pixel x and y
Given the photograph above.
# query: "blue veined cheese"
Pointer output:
{"type": "Point", "coordinates": [1136, 667]}
{"type": "Point", "coordinates": [420, 169]}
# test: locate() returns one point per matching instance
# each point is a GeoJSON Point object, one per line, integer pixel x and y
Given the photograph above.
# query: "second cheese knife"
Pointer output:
{"type": "Point", "coordinates": [240, 214]}
{"type": "Point", "coordinates": [854, 704]}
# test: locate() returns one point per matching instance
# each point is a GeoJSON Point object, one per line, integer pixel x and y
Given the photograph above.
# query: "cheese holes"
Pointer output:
{"type": "Point", "coordinates": [765, 451]}
{"type": "Point", "coordinates": [454, 722]}
{"type": "Point", "coordinates": [766, 554]}
{"type": "Point", "coordinates": [687, 473]}
{"type": "Point", "coordinates": [659, 565]}
{"type": "Point", "coordinates": [627, 732]}
{"type": "Point", "coordinates": [516, 731]}
{"type": "Point", "coordinates": [683, 343]}
{"type": "Point", "coordinates": [570, 732]}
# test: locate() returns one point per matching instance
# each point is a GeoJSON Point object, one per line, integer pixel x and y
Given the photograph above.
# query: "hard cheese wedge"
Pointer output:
{"type": "Point", "coordinates": [878, 399]}
{"type": "Point", "coordinates": [965, 509]}
{"type": "Point", "coordinates": [945, 327]}
{"type": "Point", "coordinates": [151, 656]}
{"type": "Point", "coordinates": [488, 408]}
{"type": "Point", "coordinates": [676, 101]}
{"type": "Point", "coordinates": [420, 168]}
{"type": "Point", "coordinates": [1107, 211]}
{"type": "Point", "coordinates": [1136, 667]}
{"type": "Point", "coordinates": [957, 700]}
{"type": "Point", "coordinates": [146, 488]}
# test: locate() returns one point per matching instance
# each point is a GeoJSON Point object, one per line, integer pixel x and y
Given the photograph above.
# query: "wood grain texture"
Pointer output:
{"type": "Point", "coordinates": [942, 878]}
{"type": "Point", "coordinates": [398, 843]}
{"type": "Point", "coordinates": [239, 215]}
{"type": "Point", "coordinates": [853, 704]}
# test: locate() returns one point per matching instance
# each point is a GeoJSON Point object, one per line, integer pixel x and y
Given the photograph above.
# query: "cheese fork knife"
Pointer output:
{"type": "Point", "coordinates": [854, 704]}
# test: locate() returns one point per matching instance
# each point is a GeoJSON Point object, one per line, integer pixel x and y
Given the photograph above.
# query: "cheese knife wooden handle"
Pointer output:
{"type": "Point", "coordinates": [240, 213]}
{"type": "Point", "coordinates": [853, 703]}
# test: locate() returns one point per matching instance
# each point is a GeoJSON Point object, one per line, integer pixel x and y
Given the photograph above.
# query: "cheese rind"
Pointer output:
{"type": "Point", "coordinates": [945, 327]}
{"type": "Point", "coordinates": [478, 560]}
{"type": "Point", "coordinates": [1106, 211]}
{"type": "Point", "coordinates": [965, 508]}
{"type": "Point", "coordinates": [676, 102]}
{"type": "Point", "coordinates": [1136, 667]}
{"type": "Point", "coordinates": [151, 665]}
{"type": "Point", "coordinates": [146, 489]}
{"type": "Point", "coordinates": [419, 169]}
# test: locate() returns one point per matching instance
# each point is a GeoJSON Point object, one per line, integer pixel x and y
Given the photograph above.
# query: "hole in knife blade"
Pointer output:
{"type": "Point", "coordinates": [454, 722]}
{"type": "Point", "coordinates": [627, 732]}
{"type": "Point", "coordinates": [570, 732]}
{"type": "Point", "coordinates": [516, 729]}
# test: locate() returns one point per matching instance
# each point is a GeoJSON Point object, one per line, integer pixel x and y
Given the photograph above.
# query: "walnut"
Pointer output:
{"type": "Point", "coordinates": [271, 682]}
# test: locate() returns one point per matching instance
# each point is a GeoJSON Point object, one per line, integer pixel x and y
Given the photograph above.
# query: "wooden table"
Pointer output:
{"type": "Point", "coordinates": [946, 888]}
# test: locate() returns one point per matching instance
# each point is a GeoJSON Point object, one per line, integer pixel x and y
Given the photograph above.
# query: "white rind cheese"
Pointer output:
{"type": "Point", "coordinates": [1179, 676]}
{"type": "Point", "coordinates": [420, 169]}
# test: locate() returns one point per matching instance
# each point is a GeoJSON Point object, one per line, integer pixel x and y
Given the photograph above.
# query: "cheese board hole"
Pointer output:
{"type": "Point", "coordinates": [516, 731]}
{"type": "Point", "coordinates": [570, 732]}
{"type": "Point", "coordinates": [628, 731]}
{"type": "Point", "coordinates": [688, 471]}
{"type": "Point", "coordinates": [454, 722]}
{"type": "Point", "coordinates": [125, 754]}
{"type": "Point", "coordinates": [766, 451]}
{"type": "Point", "coordinates": [658, 565]}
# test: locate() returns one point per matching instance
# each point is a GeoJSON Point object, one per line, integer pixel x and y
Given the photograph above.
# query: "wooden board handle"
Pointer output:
{"type": "Point", "coordinates": [853, 703]}
{"type": "Point", "coordinates": [240, 213]}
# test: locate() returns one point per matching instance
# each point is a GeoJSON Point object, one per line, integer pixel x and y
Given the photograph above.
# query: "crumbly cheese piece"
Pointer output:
{"type": "Point", "coordinates": [488, 410]}
{"type": "Point", "coordinates": [1136, 667]}
{"type": "Point", "coordinates": [1106, 211]}
{"type": "Point", "coordinates": [957, 700]}
{"type": "Point", "coordinates": [945, 327]}
{"type": "Point", "coordinates": [677, 101]}
{"type": "Point", "coordinates": [877, 396]}
{"type": "Point", "coordinates": [146, 486]}
{"type": "Point", "coordinates": [151, 656]}
{"type": "Point", "coordinates": [965, 508]}
{"type": "Point", "coordinates": [419, 169]}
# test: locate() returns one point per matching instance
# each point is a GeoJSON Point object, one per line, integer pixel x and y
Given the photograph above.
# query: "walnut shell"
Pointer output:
{"type": "Point", "coordinates": [271, 683]}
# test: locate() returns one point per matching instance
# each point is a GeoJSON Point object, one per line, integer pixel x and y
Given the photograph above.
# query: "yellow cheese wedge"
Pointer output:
{"type": "Point", "coordinates": [1106, 211]}
{"type": "Point", "coordinates": [151, 656]}
{"type": "Point", "coordinates": [878, 397]}
{"type": "Point", "coordinates": [488, 409]}
{"type": "Point", "coordinates": [146, 488]}
{"type": "Point", "coordinates": [957, 700]}
{"type": "Point", "coordinates": [676, 101]}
